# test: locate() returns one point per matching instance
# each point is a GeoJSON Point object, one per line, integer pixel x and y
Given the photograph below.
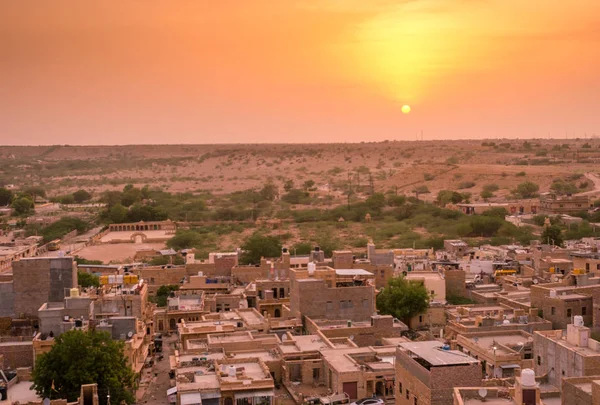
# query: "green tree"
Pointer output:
{"type": "Point", "coordinates": [269, 192]}
{"type": "Point", "coordinates": [6, 196]}
{"type": "Point", "coordinates": [420, 190]}
{"type": "Point", "coordinates": [527, 189]}
{"type": "Point", "coordinates": [84, 357]}
{"type": "Point", "coordinates": [259, 245]}
{"type": "Point", "coordinates": [448, 196]}
{"type": "Point", "coordinates": [163, 292]}
{"type": "Point", "coordinates": [552, 235]}
{"type": "Point", "coordinates": [111, 198]}
{"type": "Point", "coordinates": [288, 185]}
{"type": "Point", "coordinates": [403, 299]}
{"type": "Point", "coordinates": [396, 200]}
{"type": "Point", "coordinates": [296, 196]}
{"type": "Point", "coordinates": [486, 195]}
{"type": "Point", "coordinates": [376, 202]}
{"type": "Point", "coordinates": [185, 239]}
{"type": "Point", "coordinates": [86, 280]}
{"type": "Point", "coordinates": [34, 192]}
{"type": "Point", "coordinates": [81, 196]}
{"type": "Point", "coordinates": [22, 205]}
{"type": "Point", "coordinates": [117, 213]}
{"type": "Point", "coordinates": [139, 212]}
{"type": "Point", "coordinates": [83, 260]}
{"type": "Point", "coordinates": [67, 199]}
{"type": "Point", "coordinates": [308, 184]}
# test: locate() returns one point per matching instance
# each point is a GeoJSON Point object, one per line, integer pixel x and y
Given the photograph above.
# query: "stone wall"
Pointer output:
{"type": "Point", "coordinates": [17, 354]}
{"type": "Point", "coordinates": [41, 280]}
{"type": "Point", "coordinates": [7, 299]}
{"type": "Point", "coordinates": [455, 283]}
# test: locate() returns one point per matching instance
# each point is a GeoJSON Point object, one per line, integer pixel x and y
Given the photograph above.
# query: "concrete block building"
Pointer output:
{"type": "Point", "coordinates": [324, 292]}
{"type": "Point", "coordinates": [40, 280]}
{"type": "Point", "coordinates": [571, 354]}
{"type": "Point", "coordinates": [427, 372]}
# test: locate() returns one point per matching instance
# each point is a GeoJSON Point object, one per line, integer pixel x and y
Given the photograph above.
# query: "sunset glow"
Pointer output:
{"type": "Point", "coordinates": [264, 71]}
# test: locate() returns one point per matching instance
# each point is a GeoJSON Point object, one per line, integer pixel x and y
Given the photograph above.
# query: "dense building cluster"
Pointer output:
{"type": "Point", "coordinates": [505, 324]}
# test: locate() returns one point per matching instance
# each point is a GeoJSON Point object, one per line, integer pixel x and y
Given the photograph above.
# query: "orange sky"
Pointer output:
{"type": "Point", "coordinates": [200, 71]}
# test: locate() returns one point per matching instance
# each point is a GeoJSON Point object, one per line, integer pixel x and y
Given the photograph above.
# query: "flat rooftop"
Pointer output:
{"type": "Point", "coordinates": [352, 272]}
{"type": "Point", "coordinates": [22, 393]}
{"type": "Point", "coordinates": [303, 343]}
{"type": "Point", "coordinates": [556, 336]}
{"type": "Point", "coordinates": [433, 353]}
{"type": "Point", "coordinates": [252, 370]}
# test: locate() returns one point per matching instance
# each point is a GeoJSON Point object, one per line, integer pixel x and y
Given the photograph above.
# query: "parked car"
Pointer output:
{"type": "Point", "coordinates": [369, 401]}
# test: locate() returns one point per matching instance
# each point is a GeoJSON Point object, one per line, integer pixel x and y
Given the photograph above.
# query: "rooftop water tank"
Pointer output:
{"type": "Point", "coordinates": [74, 292]}
{"type": "Point", "coordinates": [552, 293]}
{"type": "Point", "coordinates": [311, 268]}
{"type": "Point", "coordinates": [578, 320]}
{"type": "Point", "coordinates": [200, 273]}
{"type": "Point", "coordinates": [528, 378]}
{"type": "Point", "coordinates": [231, 371]}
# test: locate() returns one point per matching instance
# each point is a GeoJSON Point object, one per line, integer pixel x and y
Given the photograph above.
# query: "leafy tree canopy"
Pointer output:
{"type": "Point", "coordinates": [527, 190]}
{"type": "Point", "coordinates": [84, 357]}
{"type": "Point", "coordinates": [6, 196]}
{"type": "Point", "coordinates": [403, 299]}
{"type": "Point", "coordinates": [22, 205]}
{"type": "Point", "coordinates": [81, 196]}
{"type": "Point", "coordinates": [86, 280]}
{"type": "Point", "coordinates": [259, 245]}
{"type": "Point", "coordinates": [553, 235]}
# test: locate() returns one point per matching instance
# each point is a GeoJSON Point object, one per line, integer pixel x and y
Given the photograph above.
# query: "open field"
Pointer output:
{"type": "Point", "coordinates": [304, 195]}
{"type": "Point", "coordinates": [221, 169]}
{"type": "Point", "coordinates": [117, 252]}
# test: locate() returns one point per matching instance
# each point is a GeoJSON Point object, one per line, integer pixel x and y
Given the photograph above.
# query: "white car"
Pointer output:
{"type": "Point", "coordinates": [369, 401]}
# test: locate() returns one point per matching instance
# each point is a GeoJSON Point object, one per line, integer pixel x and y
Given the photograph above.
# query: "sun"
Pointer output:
{"type": "Point", "coordinates": [405, 108]}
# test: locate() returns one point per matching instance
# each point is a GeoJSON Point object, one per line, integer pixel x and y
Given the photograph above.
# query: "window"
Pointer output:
{"type": "Point", "coordinates": [587, 267]}
{"type": "Point", "coordinates": [407, 394]}
{"type": "Point", "coordinates": [400, 388]}
{"type": "Point", "coordinates": [329, 306]}
{"type": "Point", "coordinates": [569, 312]}
{"type": "Point", "coordinates": [583, 310]}
{"type": "Point", "coordinates": [365, 303]}
{"type": "Point", "coordinates": [346, 304]}
{"type": "Point", "coordinates": [415, 401]}
{"type": "Point", "coordinates": [420, 318]}
{"type": "Point", "coordinates": [552, 311]}
{"type": "Point", "coordinates": [539, 361]}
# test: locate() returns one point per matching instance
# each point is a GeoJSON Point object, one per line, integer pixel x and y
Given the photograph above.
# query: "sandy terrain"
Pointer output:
{"type": "Point", "coordinates": [117, 252]}
{"type": "Point", "coordinates": [226, 168]}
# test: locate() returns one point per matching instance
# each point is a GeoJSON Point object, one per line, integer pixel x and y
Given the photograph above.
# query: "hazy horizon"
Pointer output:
{"type": "Point", "coordinates": [299, 71]}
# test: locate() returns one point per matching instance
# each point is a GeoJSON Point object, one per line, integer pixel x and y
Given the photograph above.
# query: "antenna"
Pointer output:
{"type": "Point", "coordinates": [482, 392]}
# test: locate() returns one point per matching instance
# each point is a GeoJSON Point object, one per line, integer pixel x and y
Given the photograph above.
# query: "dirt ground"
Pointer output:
{"type": "Point", "coordinates": [116, 252]}
{"type": "Point", "coordinates": [223, 169]}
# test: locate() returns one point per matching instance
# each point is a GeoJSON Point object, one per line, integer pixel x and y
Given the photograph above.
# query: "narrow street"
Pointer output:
{"type": "Point", "coordinates": [155, 380]}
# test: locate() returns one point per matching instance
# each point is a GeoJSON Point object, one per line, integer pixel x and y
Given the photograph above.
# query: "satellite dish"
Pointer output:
{"type": "Point", "coordinates": [482, 392]}
{"type": "Point", "coordinates": [130, 334]}
{"type": "Point", "coordinates": [475, 339]}
{"type": "Point", "coordinates": [284, 338]}
{"type": "Point", "coordinates": [535, 281]}
{"type": "Point", "coordinates": [46, 401]}
{"type": "Point", "coordinates": [351, 337]}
